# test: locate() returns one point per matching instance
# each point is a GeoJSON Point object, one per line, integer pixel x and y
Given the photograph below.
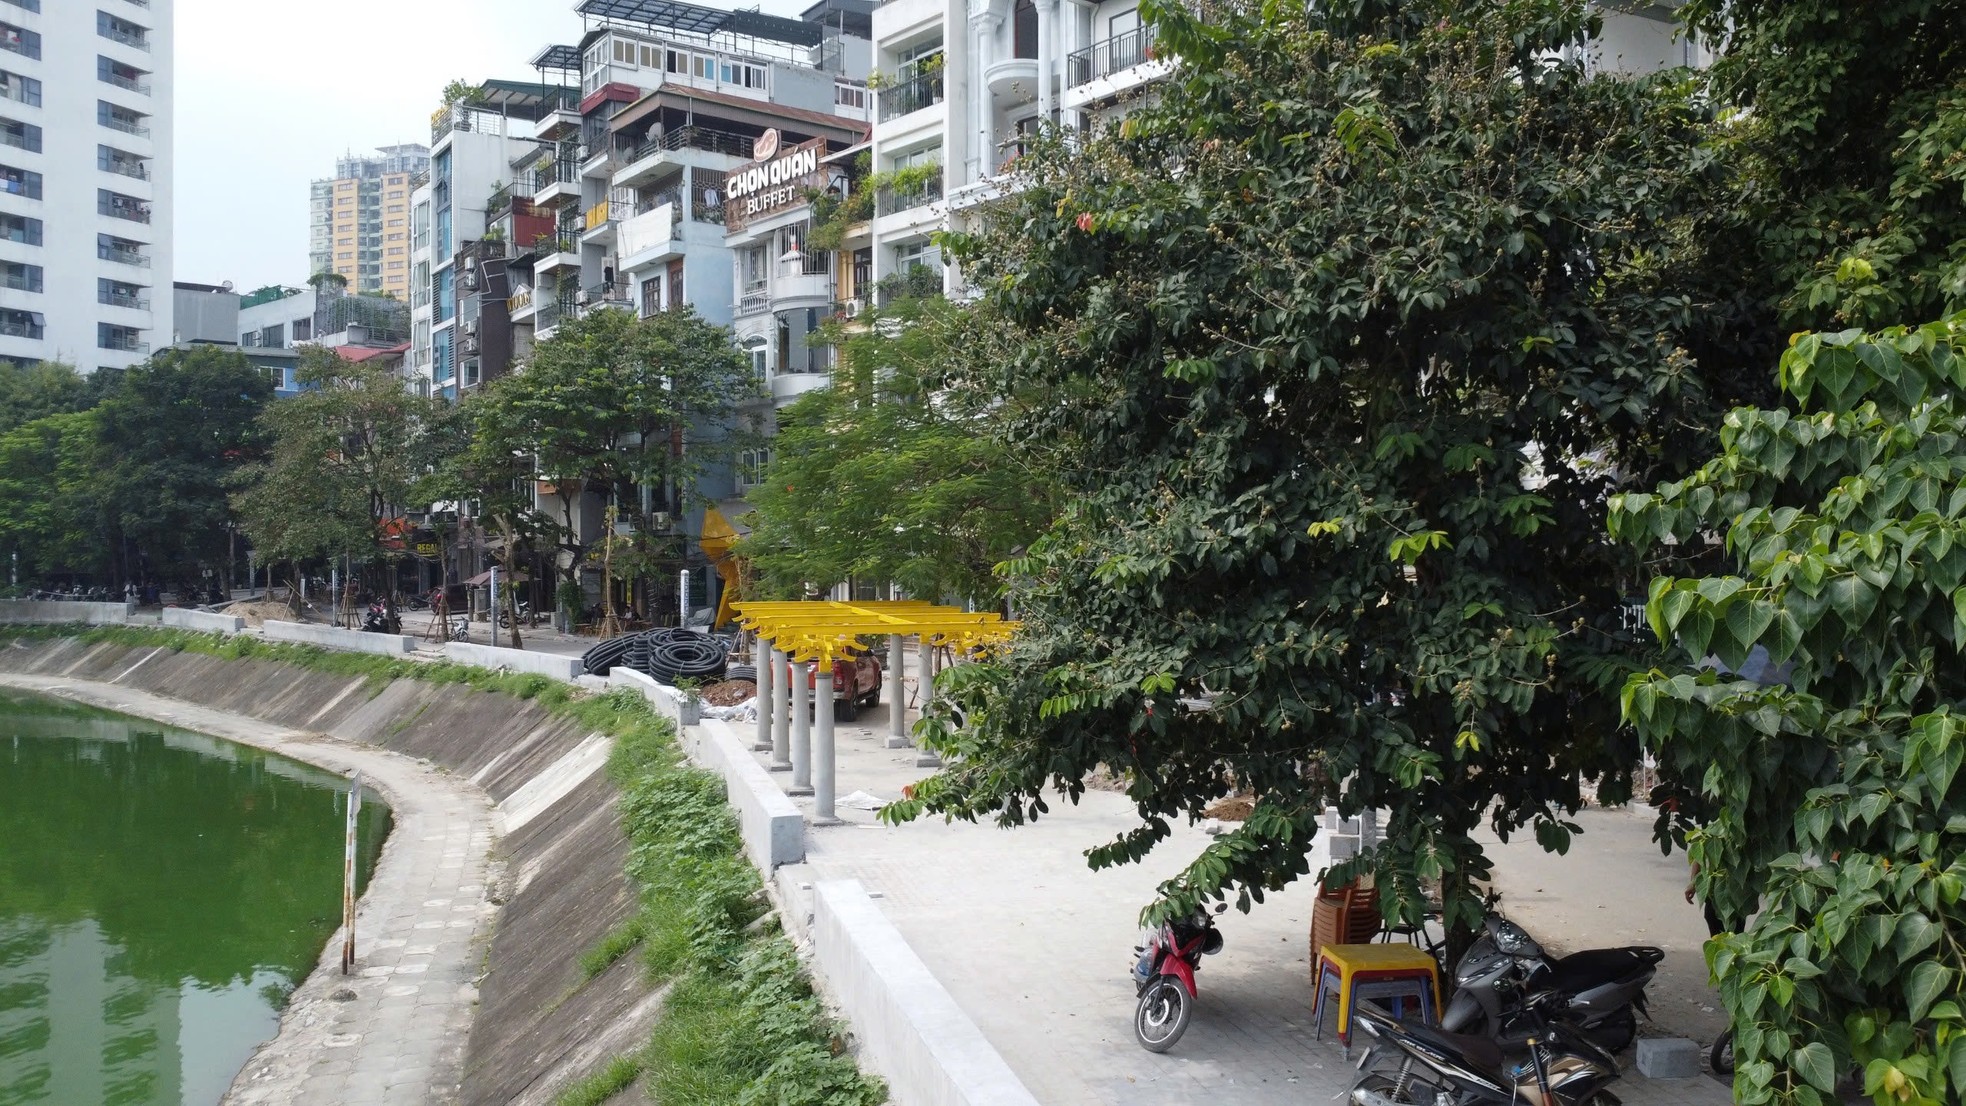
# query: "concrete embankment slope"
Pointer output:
{"type": "Point", "coordinates": [555, 884]}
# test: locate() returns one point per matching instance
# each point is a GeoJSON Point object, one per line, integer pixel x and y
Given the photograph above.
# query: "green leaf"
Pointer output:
{"type": "Point", "coordinates": [1748, 619]}
{"type": "Point", "coordinates": [1815, 1064]}
{"type": "Point", "coordinates": [1923, 986]}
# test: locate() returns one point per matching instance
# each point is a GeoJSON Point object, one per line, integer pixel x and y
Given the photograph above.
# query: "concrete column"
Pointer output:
{"type": "Point", "coordinates": [926, 674]}
{"type": "Point", "coordinates": [761, 652]}
{"type": "Point", "coordinates": [781, 712]}
{"type": "Point", "coordinates": [801, 728]}
{"type": "Point", "coordinates": [1047, 55]}
{"type": "Point", "coordinates": [822, 748]}
{"type": "Point", "coordinates": [897, 701]}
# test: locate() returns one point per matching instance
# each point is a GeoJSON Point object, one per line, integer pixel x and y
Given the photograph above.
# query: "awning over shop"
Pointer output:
{"type": "Point", "coordinates": [823, 631]}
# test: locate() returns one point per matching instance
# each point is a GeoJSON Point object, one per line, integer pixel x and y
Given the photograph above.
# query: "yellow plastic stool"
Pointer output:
{"type": "Point", "coordinates": [1360, 964]}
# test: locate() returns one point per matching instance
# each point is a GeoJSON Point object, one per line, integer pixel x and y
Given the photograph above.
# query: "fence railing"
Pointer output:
{"type": "Point", "coordinates": [890, 200]}
{"type": "Point", "coordinates": [1103, 59]}
{"type": "Point", "coordinates": [913, 94]}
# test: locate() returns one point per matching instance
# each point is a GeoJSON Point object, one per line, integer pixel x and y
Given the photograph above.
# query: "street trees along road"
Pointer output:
{"type": "Point", "coordinates": [900, 470]}
{"type": "Point", "coordinates": [346, 454]}
{"type": "Point", "coordinates": [612, 402]}
{"type": "Point", "coordinates": [1853, 146]}
{"type": "Point", "coordinates": [1343, 342]}
{"type": "Point", "coordinates": [1836, 797]}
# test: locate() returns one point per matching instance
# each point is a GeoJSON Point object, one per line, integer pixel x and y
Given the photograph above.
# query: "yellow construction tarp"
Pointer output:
{"type": "Point", "coordinates": [824, 630]}
{"type": "Point", "coordinates": [718, 537]}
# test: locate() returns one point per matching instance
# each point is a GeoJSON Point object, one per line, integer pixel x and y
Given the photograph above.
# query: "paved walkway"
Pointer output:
{"type": "Point", "coordinates": [394, 1033]}
{"type": "Point", "coordinates": [1035, 946]}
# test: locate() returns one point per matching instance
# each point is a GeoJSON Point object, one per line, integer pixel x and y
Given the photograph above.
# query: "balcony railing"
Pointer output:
{"type": "Point", "coordinates": [913, 94]}
{"type": "Point", "coordinates": [127, 126]}
{"type": "Point", "coordinates": [754, 301]}
{"type": "Point", "coordinates": [666, 196]}
{"type": "Point", "coordinates": [126, 344]}
{"type": "Point", "coordinates": [890, 200]}
{"type": "Point", "coordinates": [608, 211]}
{"type": "Point", "coordinates": [557, 172]}
{"type": "Point", "coordinates": [127, 38]}
{"type": "Point", "coordinates": [134, 212]}
{"type": "Point", "coordinates": [608, 295]}
{"type": "Point", "coordinates": [123, 256]}
{"type": "Point", "coordinates": [123, 166]}
{"type": "Point", "coordinates": [130, 83]}
{"type": "Point", "coordinates": [20, 42]}
{"type": "Point", "coordinates": [117, 299]}
{"type": "Point", "coordinates": [1103, 59]}
{"type": "Point", "coordinates": [17, 90]}
{"type": "Point", "coordinates": [498, 203]}
{"type": "Point", "coordinates": [11, 329]}
{"type": "Point", "coordinates": [694, 138]}
{"type": "Point", "coordinates": [20, 139]}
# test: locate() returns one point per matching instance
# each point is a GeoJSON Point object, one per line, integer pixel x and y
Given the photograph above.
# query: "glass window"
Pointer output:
{"type": "Point", "coordinates": [703, 66]}
{"type": "Point", "coordinates": [678, 61]}
{"type": "Point", "coordinates": [20, 182]}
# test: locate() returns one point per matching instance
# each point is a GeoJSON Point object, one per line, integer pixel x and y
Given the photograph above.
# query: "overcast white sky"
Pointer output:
{"type": "Point", "coordinates": [270, 92]}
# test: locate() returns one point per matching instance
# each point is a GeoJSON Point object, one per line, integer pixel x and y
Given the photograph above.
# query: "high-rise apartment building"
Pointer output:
{"type": "Point", "coordinates": [85, 181]}
{"type": "Point", "coordinates": [359, 222]}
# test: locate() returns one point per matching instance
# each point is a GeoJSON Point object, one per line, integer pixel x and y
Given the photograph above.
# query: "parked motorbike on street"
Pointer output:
{"type": "Point", "coordinates": [1412, 1064]}
{"type": "Point", "coordinates": [1603, 990]}
{"type": "Point", "coordinates": [1164, 975]}
{"type": "Point", "coordinates": [380, 619]}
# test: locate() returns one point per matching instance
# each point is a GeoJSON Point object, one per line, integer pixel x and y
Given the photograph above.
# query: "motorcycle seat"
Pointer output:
{"type": "Point", "coordinates": [1595, 967]}
{"type": "Point", "coordinates": [1480, 1052]}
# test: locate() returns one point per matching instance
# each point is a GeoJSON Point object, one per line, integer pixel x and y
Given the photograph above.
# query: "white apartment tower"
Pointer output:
{"type": "Point", "coordinates": [85, 181]}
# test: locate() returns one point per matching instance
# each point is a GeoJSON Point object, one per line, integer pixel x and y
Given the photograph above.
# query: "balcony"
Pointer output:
{"type": "Point", "coordinates": [119, 299]}
{"type": "Point", "coordinates": [17, 328]}
{"type": "Point", "coordinates": [127, 35]}
{"type": "Point", "coordinates": [127, 126]}
{"type": "Point", "coordinates": [1013, 81]}
{"type": "Point", "coordinates": [606, 295]}
{"type": "Point", "coordinates": [15, 88]}
{"type": "Point", "coordinates": [1103, 59]}
{"type": "Point", "coordinates": [127, 167]}
{"type": "Point", "coordinates": [892, 200]}
{"type": "Point", "coordinates": [600, 219]}
{"type": "Point", "coordinates": [645, 159]}
{"type": "Point", "coordinates": [123, 256]}
{"type": "Point", "coordinates": [124, 208]}
{"type": "Point", "coordinates": [915, 93]}
{"type": "Point", "coordinates": [21, 138]}
{"type": "Point", "coordinates": [22, 42]}
{"type": "Point", "coordinates": [126, 343]}
{"type": "Point", "coordinates": [131, 83]}
{"type": "Point", "coordinates": [555, 181]}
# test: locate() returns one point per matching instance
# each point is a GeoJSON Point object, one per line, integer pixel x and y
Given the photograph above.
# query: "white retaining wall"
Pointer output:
{"type": "Point", "coordinates": [64, 611]}
{"type": "Point", "coordinates": [515, 660]}
{"type": "Point", "coordinates": [774, 831]}
{"type": "Point", "coordinates": [184, 618]}
{"type": "Point", "coordinates": [911, 1031]}
{"type": "Point", "coordinates": [332, 637]}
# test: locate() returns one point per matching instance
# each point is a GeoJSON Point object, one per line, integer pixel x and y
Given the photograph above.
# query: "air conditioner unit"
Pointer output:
{"type": "Point", "coordinates": [470, 281]}
{"type": "Point", "coordinates": [660, 522]}
{"type": "Point", "coordinates": [470, 328]}
{"type": "Point", "coordinates": [471, 343]}
{"type": "Point", "coordinates": [851, 309]}
{"type": "Point", "coordinates": [580, 298]}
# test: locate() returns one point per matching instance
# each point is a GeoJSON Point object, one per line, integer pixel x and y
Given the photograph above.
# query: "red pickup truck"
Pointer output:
{"type": "Point", "coordinates": [856, 683]}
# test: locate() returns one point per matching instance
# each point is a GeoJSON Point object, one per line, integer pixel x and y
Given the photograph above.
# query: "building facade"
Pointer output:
{"type": "Point", "coordinates": [358, 220]}
{"type": "Point", "coordinates": [85, 181]}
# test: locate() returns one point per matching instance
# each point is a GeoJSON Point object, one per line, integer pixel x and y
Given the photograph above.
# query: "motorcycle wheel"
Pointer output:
{"type": "Point", "coordinates": [1162, 1015]}
{"type": "Point", "coordinates": [1388, 1089]}
{"type": "Point", "coordinates": [1721, 1055]}
{"type": "Point", "coordinates": [1615, 1033]}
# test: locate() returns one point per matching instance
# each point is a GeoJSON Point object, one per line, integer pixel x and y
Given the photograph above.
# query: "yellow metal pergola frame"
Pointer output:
{"type": "Point", "coordinates": [822, 631]}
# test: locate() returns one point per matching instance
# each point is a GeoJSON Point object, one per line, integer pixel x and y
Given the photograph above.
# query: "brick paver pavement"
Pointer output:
{"type": "Point", "coordinates": [392, 1034]}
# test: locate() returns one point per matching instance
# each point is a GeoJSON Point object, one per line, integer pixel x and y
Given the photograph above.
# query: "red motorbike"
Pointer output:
{"type": "Point", "coordinates": [1165, 977]}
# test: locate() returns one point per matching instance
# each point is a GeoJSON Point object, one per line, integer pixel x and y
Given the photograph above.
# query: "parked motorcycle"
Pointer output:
{"type": "Point", "coordinates": [1411, 1064]}
{"type": "Point", "coordinates": [1603, 990]}
{"type": "Point", "coordinates": [380, 619]}
{"type": "Point", "coordinates": [1164, 975]}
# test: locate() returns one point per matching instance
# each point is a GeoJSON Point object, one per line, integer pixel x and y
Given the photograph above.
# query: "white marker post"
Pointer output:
{"type": "Point", "coordinates": [348, 877]}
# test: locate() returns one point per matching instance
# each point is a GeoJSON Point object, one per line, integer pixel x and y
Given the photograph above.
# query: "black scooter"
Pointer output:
{"type": "Point", "coordinates": [382, 619]}
{"type": "Point", "coordinates": [1602, 989]}
{"type": "Point", "coordinates": [1411, 1064]}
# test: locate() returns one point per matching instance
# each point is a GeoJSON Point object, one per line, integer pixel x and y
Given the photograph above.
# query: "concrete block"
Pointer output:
{"type": "Point", "coordinates": [911, 1031]}
{"type": "Point", "coordinates": [515, 660]}
{"type": "Point", "coordinates": [206, 622]}
{"type": "Point", "coordinates": [333, 637]}
{"type": "Point", "coordinates": [666, 700]}
{"type": "Point", "coordinates": [1668, 1058]}
{"type": "Point", "coordinates": [64, 612]}
{"type": "Point", "coordinates": [773, 829]}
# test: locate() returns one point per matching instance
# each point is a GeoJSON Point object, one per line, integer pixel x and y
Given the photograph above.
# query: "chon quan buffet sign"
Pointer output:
{"type": "Point", "coordinates": [777, 180]}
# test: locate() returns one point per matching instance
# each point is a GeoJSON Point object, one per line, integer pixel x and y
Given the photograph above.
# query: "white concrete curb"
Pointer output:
{"type": "Point", "coordinates": [911, 1030]}
{"type": "Point", "coordinates": [64, 611]}
{"type": "Point", "coordinates": [515, 660]}
{"type": "Point", "coordinates": [331, 637]}
{"type": "Point", "coordinates": [184, 618]}
{"type": "Point", "coordinates": [774, 831]}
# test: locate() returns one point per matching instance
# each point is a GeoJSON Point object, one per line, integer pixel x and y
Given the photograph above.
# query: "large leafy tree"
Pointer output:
{"type": "Point", "coordinates": [897, 472]}
{"type": "Point", "coordinates": [346, 455]}
{"type": "Point", "coordinates": [1853, 138]}
{"type": "Point", "coordinates": [51, 521]}
{"type": "Point", "coordinates": [173, 432]}
{"type": "Point", "coordinates": [612, 404]}
{"type": "Point", "coordinates": [29, 392]}
{"type": "Point", "coordinates": [1346, 339]}
{"type": "Point", "coordinates": [1830, 793]}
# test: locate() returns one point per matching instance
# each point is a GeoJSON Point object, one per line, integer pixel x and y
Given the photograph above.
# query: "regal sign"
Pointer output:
{"type": "Point", "coordinates": [776, 181]}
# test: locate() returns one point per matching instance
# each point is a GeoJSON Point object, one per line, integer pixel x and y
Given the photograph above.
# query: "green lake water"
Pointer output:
{"type": "Point", "coordinates": [161, 893]}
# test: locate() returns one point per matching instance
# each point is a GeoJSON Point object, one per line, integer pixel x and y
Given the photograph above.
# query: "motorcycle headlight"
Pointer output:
{"type": "Point", "coordinates": [1513, 940]}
